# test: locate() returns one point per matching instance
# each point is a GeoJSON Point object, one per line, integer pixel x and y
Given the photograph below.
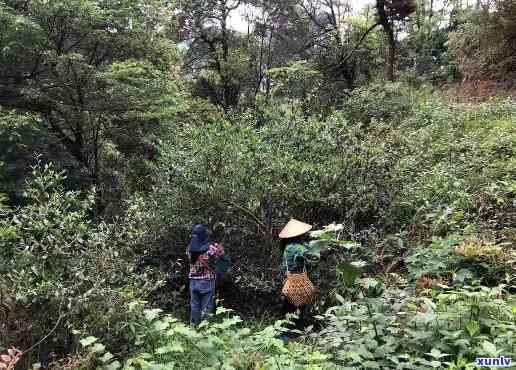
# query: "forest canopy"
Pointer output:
{"type": "Point", "coordinates": [390, 127]}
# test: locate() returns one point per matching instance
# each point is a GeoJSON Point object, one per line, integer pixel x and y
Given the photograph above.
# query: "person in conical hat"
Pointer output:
{"type": "Point", "coordinates": [293, 237]}
{"type": "Point", "coordinates": [294, 228]}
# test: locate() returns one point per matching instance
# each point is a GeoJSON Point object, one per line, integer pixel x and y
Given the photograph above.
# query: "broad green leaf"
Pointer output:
{"type": "Point", "coordinates": [221, 310]}
{"type": "Point", "coordinates": [316, 246]}
{"type": "Point", "coordinates": [163, 350]}
{"type": "Point", "coordinates": [348, 273]}
{"type": "Point", "coordinates": [348, 244]}
{"type": "Point", "coordinates": [340, 298]}
{"type": "Point", "coordinates": [435, 353]}
{"type": "Point", "coordinates": [489, 347]}
{"type": "Point", "coordinates": [151, 315]}
{"type": "Point", "coordinates": [435, 364]}
{"type": "Point", "coordinates": [88, 341]}
{"type": "Point", "coordinates": [355, 356]}
{"type": "Point", "coordinates": [161, 325]}
{"type": "Point", "coordinates": [176, 347]}
{"type": "Point", "coordinates": [115, 365]}
{"type": "Point", "coordinates": [98, 348]}
{"type": "Point", "coordinates": [371, 364]}
{"type": "Point", "coordinates": [244, 332]}
{"type": "Point", "coordinates": [106, 357]}
{"type": "Point", "coordinates": [472, 328]}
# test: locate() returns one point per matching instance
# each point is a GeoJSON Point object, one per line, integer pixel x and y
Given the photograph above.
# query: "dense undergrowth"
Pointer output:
{"type": "Point", "coordinates": [417, 273]}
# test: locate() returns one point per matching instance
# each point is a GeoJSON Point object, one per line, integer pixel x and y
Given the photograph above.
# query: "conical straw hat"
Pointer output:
{"type": "Point", "coordinates": [294, 228]}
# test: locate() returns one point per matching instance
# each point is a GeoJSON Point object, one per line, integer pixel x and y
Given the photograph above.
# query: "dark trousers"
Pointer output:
{"type": "Point", "coordinates": [202, 299]}
{"type": "Point", "coordinates": [299, 323]}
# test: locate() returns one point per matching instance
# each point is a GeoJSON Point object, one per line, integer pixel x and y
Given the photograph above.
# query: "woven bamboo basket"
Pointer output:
{"type": "Point", "coordinates": [298, 289]}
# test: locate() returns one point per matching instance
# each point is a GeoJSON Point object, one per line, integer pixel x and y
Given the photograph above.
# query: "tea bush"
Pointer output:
{"type": "Point", "coordinates": [379, 102]}
{"type": "Point", "coordinates": [459, 258]}
{"type": "Point", "coordinates": [458, 171]}
{"type": "Point", "coordinates": [253, 178]}
{"type": "Point", "coordinates": [55, 256]}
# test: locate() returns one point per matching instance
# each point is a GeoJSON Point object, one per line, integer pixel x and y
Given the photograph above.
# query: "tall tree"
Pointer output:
{"type": "Point", "coordinates": [267, 20]}
{"type": "Point", "coordinates": [389, 12]}
{"type": "Point", "coordinates": [212, 46]}
{"type": "Point", "coordinates": [332, 36]}
{"type": "Point", "coordinates": [328, 36]}
{"type": "Point", "coordinates": [74, 64]}
{"type": "Point", "coordinates": [484, 42]}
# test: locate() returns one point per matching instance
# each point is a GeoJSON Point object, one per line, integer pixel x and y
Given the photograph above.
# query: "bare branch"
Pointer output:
{"type": "Point", "coordinates": [369, 30]}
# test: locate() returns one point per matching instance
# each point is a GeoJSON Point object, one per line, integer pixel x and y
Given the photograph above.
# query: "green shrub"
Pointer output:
{"type": "Point", "coordinates": [463, 259]}
{"type": "Point", "coordinates": [253, 179]}
{"type": "Point", "coordinates": [61, 270]}
{"type": "Point", "coordinates": [380, 101]}
{"type": "Point", "coordinates": [458, 169]}
{"type": "Point", "coordinates": [224, 343]}
{"type": "Point", "coordinates": [398, 331]}
{"type": "Point", "coordinates": [436, 169]}
{"type": "Point", "coordinates": [391, 330]}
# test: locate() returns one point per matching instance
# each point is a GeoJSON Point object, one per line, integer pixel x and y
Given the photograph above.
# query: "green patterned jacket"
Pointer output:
{"type": "Point", "coordinates": [293, 258]}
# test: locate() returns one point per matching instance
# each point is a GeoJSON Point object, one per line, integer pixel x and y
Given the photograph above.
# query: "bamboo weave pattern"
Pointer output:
{"type": "Point", "coordinates": [298, 289]}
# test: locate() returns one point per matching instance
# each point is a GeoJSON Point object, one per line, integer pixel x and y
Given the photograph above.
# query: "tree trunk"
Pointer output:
{"type": "Point", "coordinates": [269, 64]}
{"type": "Point", "coordinates": [391, 57]}
{"type": "Point", "coordinates": [387, 27]}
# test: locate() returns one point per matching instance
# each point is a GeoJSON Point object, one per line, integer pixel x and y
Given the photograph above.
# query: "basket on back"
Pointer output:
{"type": "Point", "coordinates": [298, 289]}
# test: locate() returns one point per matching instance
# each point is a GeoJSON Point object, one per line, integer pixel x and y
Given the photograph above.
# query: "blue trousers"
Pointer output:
{"type": "Point", "coordinates": [202, 299]}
